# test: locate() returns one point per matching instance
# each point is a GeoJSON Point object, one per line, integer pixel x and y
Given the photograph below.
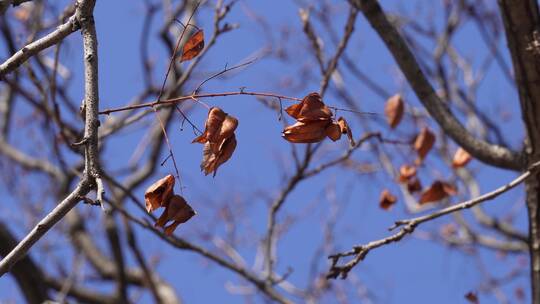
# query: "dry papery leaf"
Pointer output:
{"type": "Point", "coordinates": [387, 200]}
{"type": "Point", "coordinates": [393, 110]}
{"type": "Point", "coordinates": [218, 138]}
{"type": "Point", "coordinates": [314, 122]}
{"type": "Point", "coordinates": [159, 193]}
{"type": "Point", "coordinates": [437, 191]}
{"type": "Point", "coordinates": [472, 297]}
{"type": "Point", "coordinates": [311, 108]}
{"type": "Point", "coordinates": [178, 211]}
{"type": "Point", "coordinates": [461, 158]}
{"type": "Point", "coordinates": [423, 143]}
{"type": "Point", "coordinates": [406, 172]}
{"type": "Point", "coordinates": [193, 46]}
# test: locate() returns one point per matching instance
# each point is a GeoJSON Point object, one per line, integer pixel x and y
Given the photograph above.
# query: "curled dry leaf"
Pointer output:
{"type": "Point", "coordinates": [461, 158]}
{"type": "Point", "coordinates": [472, 297]}
{"type": "Point", "coordinates": [413, 185]}
{"type": "Point", "coordinates": [311, 108]}
{"type": "Point", "coordinates": [212, 160]}
{"type": "Point", "coordinates": [159, 193]}
{"type": "Point", "coordinates": [423, 143]}
{"type": "Point", "coordinates": [306, 132]}
{"type": "Point", "coordinates": [387, 200]}
{"type": "Point", "coordinates": [178, 211]}
{"type": "Point", "coordinates": [193, 46]}
{"type": "Point", "coordinates": [406, 172]}
{"type": "Point", "coordinates": [344, 127]}
{"type": "Point", "coordinates": [437, 191]}
{"type": "Point", "coordinates": [333, 131]}
{"type": "Point", "coordinates": [218, 138]}
{"type": "Point", "coordinates": [393, 110]}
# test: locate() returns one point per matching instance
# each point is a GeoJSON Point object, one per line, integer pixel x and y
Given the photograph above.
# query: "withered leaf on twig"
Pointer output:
{"type": "Point", "coordinates": [159, 193]}
{"type": "Point", "coordinates": [311, 108]}
{"type": "Point", "coordinates": [218, 138]}
{"type": "Point", "coordinates": [344, 127]}
{"type": "Point", "coordinates": [437, 191]}
{"type": "Point", "coordinates": [387, 200]}
{"type": "Point", "coordinates": [178, 211]}
{"type": "Point", "coordinates": [193, 46]}
{"type": "Point", "coordinates": [306, 132]}
{"type": "Point", "coordinates": [423, 143]}
{"type": "Point", "coordinates": [461, 158]}
{"type": "Point", "coordinates": [413, 185]}
{"type": "Point", "coordinates": [393, 110]}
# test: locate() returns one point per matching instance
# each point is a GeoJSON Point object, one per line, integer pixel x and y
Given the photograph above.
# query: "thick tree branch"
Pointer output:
{"type": "Point", "coordinates": [491, 154]}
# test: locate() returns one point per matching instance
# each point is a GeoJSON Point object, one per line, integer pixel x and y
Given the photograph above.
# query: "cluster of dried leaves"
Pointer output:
{"type": "Point", "coordinates": [423, 143]}
{"type": "Point", "coordinates": [177, 210]}
{"type": "Point", "coordinates": [314, 122]}
{"type": "Point", "coordinates": [218, 138]}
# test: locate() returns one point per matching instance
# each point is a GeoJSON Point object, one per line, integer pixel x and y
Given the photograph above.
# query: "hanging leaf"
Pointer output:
{"type": "Point", "coordinates": [472, 297]}
{"type": "Point", "coordinates": [213, 159]}
{"type": "Point", "coordinates": [387, 200]}
{"type": "Point", "coordinates": [344, 127]}
{"type": "Point", "coordinates": [159, 193]}
{"type": "Point", "coordinates": [437, 191]}
{"type": "Point", "coordinates": [178, 211]}
{"type": "Point", "coordinates": [414, 185]}
{"type": "Point", "coordinates": [193, 46]}
{"type": "Point", "coordinates": [423, 143]}
{"type": "Point", "coordinates": [461, 158]}
{"type": "Point", "coordinates": [218, 138]}
{"type": "Point", "coordinates": [393, 110]}
{"type": "Point", "coordinates": [406, 172]}
{"type": "Point", "coordinates": [311, 108]}
{"type": "Point", "coordinates": [306, 132]}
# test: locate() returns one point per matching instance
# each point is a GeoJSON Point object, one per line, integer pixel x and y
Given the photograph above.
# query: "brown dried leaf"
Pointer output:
{"type": "Point", "coordinates": [406, 172]}
{"type": "Point", "coordinates": [414, 185]}
{"type": "Point", "coordinates": [193, 46]}
{"type": "Point", "coordinates": [344, 127]}
{"type": "Point", "coordinates": [387, 200]}
{"type": "Point", "coordinates": [333, 131]}
{"type": "Point", "coordinates": [306, 132]}
{"type": "Point", "coordinates": [472, 297]}
{"type": "Point", "coordinates": [437, 191]}
{"type": "Point", "coordinates": [423, 143]}
{"type": "Point", "coordinates": [212, 126]}
{"type": "Point", "coordinates": [311, 108]}
{"type": "Point", "coordinates": [159, 193]}
{"type": "Point", "coordinates": [393, 110]}
{"type": "Point", "coordinates": [461, 158]}
{"type": "Point", "coordinates": [178, 211]}
{"type": "Point", "coordinates": [212, 160]}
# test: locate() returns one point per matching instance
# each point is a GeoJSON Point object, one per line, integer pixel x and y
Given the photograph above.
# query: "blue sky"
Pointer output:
{"type": "Point", "coordinates": [415, 270]}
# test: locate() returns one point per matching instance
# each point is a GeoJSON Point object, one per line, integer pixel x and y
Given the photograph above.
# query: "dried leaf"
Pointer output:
{"type": "Point", "coordinates": [472, 297]}
{"type": "Point", "coordinates": [423, 143]}
{"type": "Point", "coordinates": [333, 131]}
{"type": "Point", "coordinates": [344, 127]}
{"type": "Point", "coordinates": [193, 46]}
{"type": "Point", "coordinates": [387, 200]}
{"type": "Point", "coordinates": [406, 172]}
{"type": "Point", "coordinates": [306, 132]}
{"type": "Point", "coordinates": [178, 211]}
{"type": "Point", "coordinates": [437, 191]}
{"type": "Point", "coordinates": [212, 126]}
{"type": "Point", "coordinates": [461, 158]}
{"type": "Point", "coordinates": [212, 160]}
{"type": "Point", "coordinates": [413, 185]}
{"type": "Point", "coordinates": [159, 193]}
{"type": "Point", "coordinates": [393, 110]}
{"type": "Point", "coordinates": [311, 108]}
